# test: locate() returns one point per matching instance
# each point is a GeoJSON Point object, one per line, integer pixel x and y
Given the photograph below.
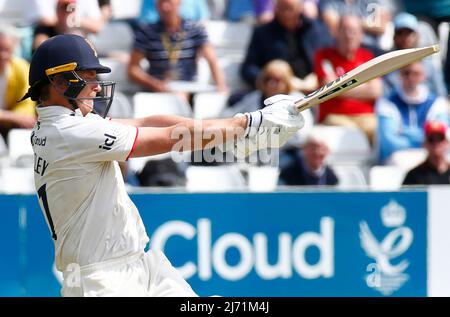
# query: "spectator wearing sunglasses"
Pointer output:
{"type": "Point", "coordinates": [277, 77]}
{"type": "Point", "coordinates": [402, 115]}
{"type": "Point", "coordinates": [435, 169]}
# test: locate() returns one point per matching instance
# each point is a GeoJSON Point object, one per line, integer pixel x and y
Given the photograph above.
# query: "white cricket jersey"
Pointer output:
{"type": "Point", "coordinates": [80, 186]}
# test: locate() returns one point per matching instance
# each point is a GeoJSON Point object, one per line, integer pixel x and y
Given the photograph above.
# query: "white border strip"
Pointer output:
{"type": "Point", "coordinates": [438, 241]}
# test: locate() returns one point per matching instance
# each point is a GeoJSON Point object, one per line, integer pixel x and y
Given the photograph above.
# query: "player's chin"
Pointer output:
{"type": "Point", "coordinates": [86, 105]}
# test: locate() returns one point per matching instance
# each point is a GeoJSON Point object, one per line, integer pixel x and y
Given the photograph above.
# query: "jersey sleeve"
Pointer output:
{"type": "Point", "coordinates": [98, 140]}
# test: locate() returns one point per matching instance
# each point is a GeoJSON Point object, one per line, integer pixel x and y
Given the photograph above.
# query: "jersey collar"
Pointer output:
{"type": "Point", "coordinates": [51, 111]}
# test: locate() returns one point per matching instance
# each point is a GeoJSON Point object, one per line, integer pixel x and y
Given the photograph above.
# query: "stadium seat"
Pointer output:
{"type": "Point", "coordinates": [148, 104]}
{"type": "Point", "coordinates": [214, 179]}
{"type": "Point", "coordinates": [407, 159]}
{"type": "Point", "coordinates": [444, 30]}
{"type": "Point", "coordinates": [136, 164]}
{"type": "Point", "coordinates": [231, 69]}
{"type": "Point", "coordinates": [203, 71]}
{"type": "Point", "coordinates": [229, 38]}
{"type": "Point", "coordinates": [386, 177]}
{"type": "Point", "coordinates": [429, 37]}
{"type": "Point", "coordinates": [121, 107]}
{"type": "Point", "coordinates": [12, 12]}
{"type": "Point", "coordinates": [386, 41]}
{"type": "Point", "coordinates": [3, 148]}
{"type": "Point", "coordinates": [119, 75]}
{"type": "Point", "coordinates": [350, 176]}
{"type": "Point", "coordinates": [126, 9]}
{"type": "Point", "coordinates": [20, 150]}
{"type": "Point", "coordinates": [115, 36]}
{"type": "Point", "coordinates": [347, 145]}
{"type": "Point", "coordinates": [209, 104]}
{"type": "Point", "coordinates": [17, 180]}
{"type": "Point", "coordinates": [263, 178]}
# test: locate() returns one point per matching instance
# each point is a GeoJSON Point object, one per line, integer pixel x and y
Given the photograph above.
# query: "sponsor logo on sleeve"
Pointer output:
{"type": "Point", "coordinates": [108, 143]}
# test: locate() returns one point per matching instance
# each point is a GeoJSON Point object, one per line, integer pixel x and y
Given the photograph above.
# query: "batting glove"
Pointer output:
{"type": "Point", "coordinates": [270, 127]}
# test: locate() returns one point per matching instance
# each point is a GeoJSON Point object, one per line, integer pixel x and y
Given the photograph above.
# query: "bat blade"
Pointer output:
{"type": "Point", "coordinates": [374, 68]}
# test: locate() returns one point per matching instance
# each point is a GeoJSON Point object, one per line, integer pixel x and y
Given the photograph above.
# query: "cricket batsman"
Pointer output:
{"type": "Point", "coordinates": [93, 222]}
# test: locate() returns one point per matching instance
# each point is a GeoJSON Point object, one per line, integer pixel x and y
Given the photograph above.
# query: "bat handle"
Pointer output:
{"type": "Point", "coordinates": [300, 105]}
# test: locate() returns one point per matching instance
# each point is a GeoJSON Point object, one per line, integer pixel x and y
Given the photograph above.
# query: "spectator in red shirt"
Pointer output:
{"type": "Point", "coordinates": [356, 106]}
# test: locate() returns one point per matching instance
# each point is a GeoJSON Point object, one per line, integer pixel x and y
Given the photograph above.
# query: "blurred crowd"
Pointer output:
{"type": "Point", "coordinates": [240, 52]}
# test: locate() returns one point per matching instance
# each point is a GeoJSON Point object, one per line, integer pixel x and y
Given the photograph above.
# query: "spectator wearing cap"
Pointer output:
{"type": "Point", "coordinates": [308, 166]}
{"type": "Point", "coordinates": [402, 115]}
{"type": "Point", "coordinates": [435, 170]}
{"type": "Point", "coordinates": [13, 85]}
{"type": "Point", "coordinates": [407, 34]}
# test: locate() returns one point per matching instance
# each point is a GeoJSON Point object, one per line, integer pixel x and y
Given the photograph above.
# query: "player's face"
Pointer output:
{"type": "Point", "coordinates": [90, 91]}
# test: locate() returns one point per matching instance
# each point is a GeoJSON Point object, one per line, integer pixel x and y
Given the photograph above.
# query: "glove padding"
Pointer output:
{"type": "Point", "coordinates": [270, 127]}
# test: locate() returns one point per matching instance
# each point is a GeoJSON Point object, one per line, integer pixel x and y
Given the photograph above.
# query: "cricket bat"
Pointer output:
{"type": "Point", "coordinates": [376, 67]}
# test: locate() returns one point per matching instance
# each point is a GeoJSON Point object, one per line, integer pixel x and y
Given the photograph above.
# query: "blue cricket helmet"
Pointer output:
{"type": "Point", "coordinates": [61, 50]}
{"type": "Point", "coordinates": [65, 54]}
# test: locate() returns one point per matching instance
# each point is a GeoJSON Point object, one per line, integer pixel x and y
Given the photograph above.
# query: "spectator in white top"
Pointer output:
{"type": "Point", "coordinates": [88, 16]}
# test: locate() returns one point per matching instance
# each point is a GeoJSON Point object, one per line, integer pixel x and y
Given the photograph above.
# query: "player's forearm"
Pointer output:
{"type": "Point", "coordinates": [192, 135]}
{"type": "Point", "coordinates": [189, 135]}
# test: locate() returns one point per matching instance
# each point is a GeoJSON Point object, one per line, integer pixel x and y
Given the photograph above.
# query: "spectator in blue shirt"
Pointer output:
{"type": "Point", "coordinates": [291, 37]}
{"type": "Point", "coordinates": [239, 10]}
{"type": "Point", "coordinates": [402, 115]}
{"type": "Point", "coordinates": [196, 10]}
{"type": "Point", "coordinates": [172, 47]}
